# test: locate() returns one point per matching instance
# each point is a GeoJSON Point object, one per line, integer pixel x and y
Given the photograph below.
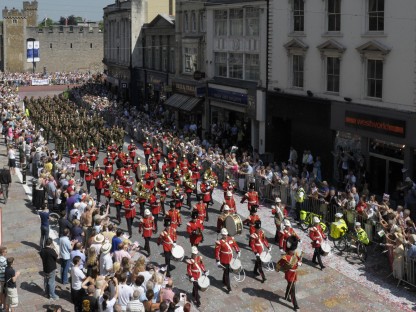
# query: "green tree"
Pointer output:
{"type": "Point", "coordinates": [70, 20]}
{"type": "Point", "coordinates": [46, 23]}
{"type": "Point", "coordinates": [101, 25]}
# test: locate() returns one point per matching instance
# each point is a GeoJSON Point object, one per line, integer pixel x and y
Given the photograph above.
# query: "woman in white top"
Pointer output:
{"type": "Point", "coordinates": [11, 155]}
{"type": "Point", "coordinates": [105, 304]}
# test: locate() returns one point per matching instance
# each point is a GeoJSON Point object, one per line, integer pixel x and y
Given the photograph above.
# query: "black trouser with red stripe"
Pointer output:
{"type": "Point", "coordinates": [195, 292]}
{"type": "Point", "coordinates": [258, 268]}
{"type": "Point", "coordinates": [291, 290]}
{"type": "Point", "coordinates": [226, 276]}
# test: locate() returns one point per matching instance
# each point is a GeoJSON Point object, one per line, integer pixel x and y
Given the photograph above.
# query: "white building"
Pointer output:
{"type": "Point", "coordinates": [236, 63]}
{"type": "Point", "coordinates": [346, 66]}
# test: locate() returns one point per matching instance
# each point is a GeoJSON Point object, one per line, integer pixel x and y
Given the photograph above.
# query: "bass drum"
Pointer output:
{"type": "Point", "coordinates": [203, 282]}
{"type": "Point", "coordinates": [233, 224]}
{"type": "Point", "coordinates": [178, 253]}
{"type": "Point", "coordinates": [235, 265]}
{"type": "Point", "coordinates": [141, 170]}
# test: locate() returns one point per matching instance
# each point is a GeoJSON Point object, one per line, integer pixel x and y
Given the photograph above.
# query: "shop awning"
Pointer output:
{"type": "Point", "coordinates": [177, 100]}
{"type": "Point", "coordinates": [189, 105]}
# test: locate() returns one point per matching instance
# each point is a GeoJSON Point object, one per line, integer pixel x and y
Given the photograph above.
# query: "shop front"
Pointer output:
{"type": "Point", "coordinates": [382, 137]}
{"type": "Point", "coordinates": [235, 108]}
{"type": "Point", "coordinates": [156, 86]}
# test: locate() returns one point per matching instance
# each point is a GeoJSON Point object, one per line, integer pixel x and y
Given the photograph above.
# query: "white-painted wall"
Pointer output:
{"type": "Point", "coordinates": [399, 65]}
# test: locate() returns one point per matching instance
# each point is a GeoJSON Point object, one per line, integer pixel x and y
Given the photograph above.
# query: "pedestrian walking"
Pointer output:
{"type": "Point", "coordinates": [44, 225]}
{"type": "Point", "coordinates": [5, 180]}
{"type": "Point", "coordinates": [49, 258]}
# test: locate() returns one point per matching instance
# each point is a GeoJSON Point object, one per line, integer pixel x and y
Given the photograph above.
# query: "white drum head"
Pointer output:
{"type": "Point", "coordinates": [178, 253]}
{"type": "Point", "coordinates": [265, 257]}
{"type": "Point", "coordinates": [204, 282]}
{"type": "Point", "coordinates": [235, 264]}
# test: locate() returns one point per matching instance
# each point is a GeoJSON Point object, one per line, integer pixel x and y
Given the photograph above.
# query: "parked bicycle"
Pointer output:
{"type": "Point", "coordinates": [350, 240]}
{"type": "Point", "coordinates": [306, 220]}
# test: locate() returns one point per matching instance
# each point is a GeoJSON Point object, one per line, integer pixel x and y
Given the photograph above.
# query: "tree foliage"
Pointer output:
{"type": "Point", "coordinates": [72, 20]}
{"type": "Point", "coordinates": [46, 23]}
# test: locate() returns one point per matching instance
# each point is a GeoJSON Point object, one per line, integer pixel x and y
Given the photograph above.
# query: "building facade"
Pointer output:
{"type": "Point", "coordinates": [61, 48]}
{"type": "Point", "coordinates": [342, 79]}
{"type": "Point", "coordinates": [236, 66]}
{"type": "Point", "coordinates": [122, 25]}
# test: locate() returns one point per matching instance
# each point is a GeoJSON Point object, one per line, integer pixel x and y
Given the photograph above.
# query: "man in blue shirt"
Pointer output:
{"type": "Point", "coordinates": [411, 251]}
{"type": "Point", "coordinates": [116, 240]}
{"type": "Point", "coordinates": [65, 246]}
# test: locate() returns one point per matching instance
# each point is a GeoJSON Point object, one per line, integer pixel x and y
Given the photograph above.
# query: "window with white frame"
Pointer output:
{"type": "Point", "coordinates": [298, 15]}
{"type": "Point", "coordinates": [375, 78]}
{"type": "Point", "coordinates": [190, 59]}
{"type": "Point", "coordinates": [252, 67]}
{"type": "Point", "coordinates": [186, 21]}
{"type": "Point", "coordinates": [252, 21]}
{"type": "Point", "coordinates": [332, 74]}
{"type": "Point", "coordinates": [202, 21]}
{"type": "Point", "coordinates": [236, 22]}
{"type": "Point", "coordinates": [220, 22]}
{"type": "Point", "coordinates": [297, 71]}
{"type": "Point", "coordinates": [193, 21]}
{"type": "Point", "coordinates": [334, 15]}
{"type": "Point", "coordinates": [376, 15]}
{"type": "Point", "coordinates": [220, 60]}
{"type": "Point", "coordinates": [235, 63]}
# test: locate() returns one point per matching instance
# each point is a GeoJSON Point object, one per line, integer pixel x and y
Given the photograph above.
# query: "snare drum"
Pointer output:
{"type": "Point", "coordinates": [233, 224]}
{"type": "Point", "coordinates": [142, 169]}
{"type": "Point", "coordinates": [265, 257]}
{"type": "Point", "coordinates": [178, 253]}
{"type": "Point", "coordinates": [203, 282]}
{"type": "Point", "coordinates": [325, 249]}
{"type": "Point", "coordinates": [235, 265]}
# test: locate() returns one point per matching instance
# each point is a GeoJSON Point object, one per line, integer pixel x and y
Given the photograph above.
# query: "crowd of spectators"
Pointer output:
{"type": "Point", "coordinates": [55, 78]}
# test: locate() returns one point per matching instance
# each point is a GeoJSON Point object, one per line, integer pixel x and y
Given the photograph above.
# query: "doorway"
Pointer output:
{"type": "Point", "coordinates": [385, 173]}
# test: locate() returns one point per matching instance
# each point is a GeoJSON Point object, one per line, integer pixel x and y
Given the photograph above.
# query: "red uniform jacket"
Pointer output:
{"type": "Point", "coordinates": [129, 209]}
{"type": "Point", "coordinates": [221, 221]}
{"type": "Point", "coordinates": [195, 238]}
{"type": "Point", "coordinates": [252, 197]}
{"type": "Point", "coordinates": [82, 163]}
{"type": "Point", "coordinates": [206, 192]}
{"type": "Point", "coordinates": [154, 204]}
{"type": "Point", "coordinates": [119, 174]}
{"type": "Point", "coordinates": [166, 171]}
{"type": "Point", "coordinates": [108, 164]}
{"type": "Point", "coordinates": [284, 235]}
{"type": "Point", "coordinates": [176, 218]}
{"type": "Point", "coordinates": [230, 203]}
{"type": "Point", "coordinates": [92, 154]}
{"type": "Point", "coordinates": [158, 153]}
{"type": "Point", "coordinates": [147, 148]}
{"type": "Point", "coordinates": [251, 221]}
{"type": "Point", "coordinates": [172, 158]}
{"type": "Point", "coordinates": [167, 238]}
{"type": "Point", "coordinates": [107, 183]}
{"type": "Point", "coordinates": [164, 189]}
{"type": "Point", "coordinates": [132, 150]}
{"type": "Point", "coordinates": [88, 175]}
{"type": "Point", "coordinates": [290, 275]}
{"type": "Point", "coordinates": [316, 235]}
{"type": "Point", "coordinates": [178, 198]}
{"type": "Point", "coordinates": [98, 176]}
{"type": "Point", "coordinates": [73, 156]}
{"type": "Point", "coordinates": [184, 163]}
{"type": "Point", "coordinates": [147, 225]}
{"type": "Point", "coordinates": [227, 186]}
{"type": "Point", "coordinates": [153, 163]}
{"type": "Point", "coordinates": [224, 250]}
{"type": "Point", "coordinates": [202, 211]}
{"type": "Point", "coordinates": [258, 242]}
{"type": "Point", "coordinates": [196, 172]}
{"type": "Point", "coordinates": [195, 267]}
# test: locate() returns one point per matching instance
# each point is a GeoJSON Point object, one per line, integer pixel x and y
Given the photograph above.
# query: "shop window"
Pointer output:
{"type": "Point", "coordinates": [332, 74]}
{"type": "Point", "coordinates": [252, 67]}
{"type": "Point", "coordinates": [376, 15]}
{"type": "Point", "coordinates": [235, 62]}
{"type": "Point", "coordinates": [252, 21]}
{"type": "Point", "coordinates": [297, 71]}
{"type": "Point", "coordinates": [236, 22]}
{"type": "Point", "coordinates": [375, 78]}
{"type": "Point", "coordinates": [190, 60]}
{"type": "Point", "coordinates": [193, 21]}
{"type": "Point", "coordinates": [186, 21]}
{"type": "Point", "coordinates": [334, 15]}
{"type": "Point", "coordinates": [220, 22]}
{"type": "Point", "coordinates": [298, 16]}
{"type": "Point", "coordinates": [221, 64]}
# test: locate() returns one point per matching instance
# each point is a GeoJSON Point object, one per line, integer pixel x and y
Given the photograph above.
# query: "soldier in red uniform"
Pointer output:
{"type": "Point", "coordinates": [88, 176]}
{"type": "Point", "coordinates": [92, 155]}
{"type": "Point", "coordinates": [176, 177]}
{"type": "Point", "coordinates": [163, 187]}
{"type": "Point", "coordinates": [195, 269]}
{"type": "Point", "coordinates": [147, 149]}
{"type": "Point", "coordinates": [166, 168]}
{"type": "Point", "coordinates": [252, 218]}
{"type": "Point", "coordinates": [175, 215]}
{"type": "Point", "coordinates": [196, 172]}
{"type": "Point", "coordinates": [153, 163]}
{"type": "Point", "coordinates": [150, 177]}
{"type": "Point", "coordinates": [147, 226]}
{"type": "Point", "coordinates": [157, 151]}
{"type": "Point", "coordinates": [154, 203]}
{"type": "Point", "coordinates": [98, 176]}
{"type": "Point", "coordinates": [278, 211]}
{"type": "Point", "coordinates": [82, 165]}
{"type": "Point", "coordinates": [195, 229]}
{"type": "Point", "coordinates": [221, 218]}
{"type": "Point", "coordinates": [201, 208]}
{"type": "Point", "coordinates": [129, 213]}
{"type": "Point", "coordinates": [189, 188]}
{"type": "Point", "coordinates": [287, 232]}
{"type": "Point", "coordinates": [206, 188]}
{"type": "Point", "coordinates": [132, 150]}
{"type": "Point", "coordinates": [119, 174]}
{"type": "Point", "coordinates": [251, 196]}
{"type": "Point", "coordinates": [184, 165]}
{"type": "Point", "coordinates": [168, 240]}
{"type": "Point", "coordinates": [73, 157]}
{"type": "Point", "coordinates": [224, 254]}
{"type": "Point", "coordinates": [258, 244]}
{"type": "Point", "coordinates": [177, 197]}
{"type": "Point", "coordinates": [317, 235]}
{"type": "Point", "coordinates": [106, 187]}
{"type": "Point", "coordinates": [172, 158]}
{"type": "Point", "coordinates": [136, 169]}
{"type": "Point", "coordinates": [108, 163]}
{"type": "Point", "coordinates": [228, 186]}
{"type": "Point", "coordinates": [290, 262]}
{"type": "Point", "coordinates": [230, 202]}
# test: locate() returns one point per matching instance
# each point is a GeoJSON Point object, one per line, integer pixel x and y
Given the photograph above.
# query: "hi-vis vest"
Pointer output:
{"type": "Point", "coordinates": [300, 195]}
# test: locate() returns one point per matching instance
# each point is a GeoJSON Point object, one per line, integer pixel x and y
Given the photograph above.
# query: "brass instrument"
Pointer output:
{"type": "Point", "coordinates": [138, 187]}
{"type": "Point", "coordinates": [118, 195]}
{"type": "Point", "coordinates": [210, 178]}
{"type": "Point", "coordinates": [114, 185]}
{"type": "Point", "coordinates": [144, 195]}
{"type": "Point", "coordinates": [190, 184]}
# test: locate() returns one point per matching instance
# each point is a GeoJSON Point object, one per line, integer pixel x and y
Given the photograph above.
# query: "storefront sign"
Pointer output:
{"type": "Point", "coordinates": [378, 124]}
{"type": "Point", "coordinates": [230, 96]}
{"type": "Point", "coordinates": [183, 88]}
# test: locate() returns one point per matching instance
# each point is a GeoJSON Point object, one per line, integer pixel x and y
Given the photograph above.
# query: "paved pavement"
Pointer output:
{"type": "Point", "coordinates": [342, 286]}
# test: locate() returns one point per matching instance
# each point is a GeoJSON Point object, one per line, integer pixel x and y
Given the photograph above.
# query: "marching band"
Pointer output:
{"type": "Point", "coordinates": [135, 185]}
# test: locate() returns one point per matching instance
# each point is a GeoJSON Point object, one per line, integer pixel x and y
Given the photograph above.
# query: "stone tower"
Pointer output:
{"type": "Point", "coordinates": [30, 10]}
